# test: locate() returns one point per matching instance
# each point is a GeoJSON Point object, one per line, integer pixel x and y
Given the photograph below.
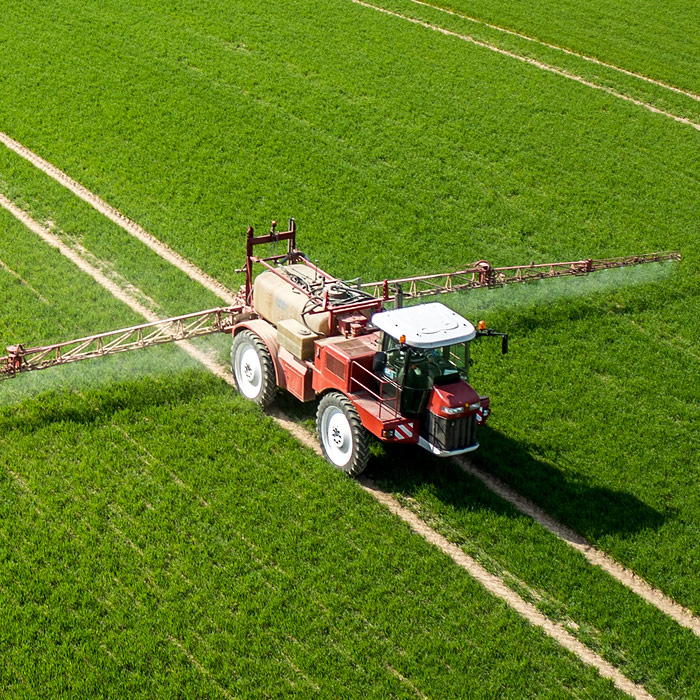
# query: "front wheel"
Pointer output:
{"type": "Point", "coordinates": [253, 369]}
{"type": "Point", "coordinates": [344, 440]}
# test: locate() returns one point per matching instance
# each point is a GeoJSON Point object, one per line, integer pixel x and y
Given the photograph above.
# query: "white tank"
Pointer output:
{"type": "Point", "coordinates": [275, 299]}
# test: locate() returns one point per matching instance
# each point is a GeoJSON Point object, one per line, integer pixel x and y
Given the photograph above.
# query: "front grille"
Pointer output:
{"type": "Point", "coordinates": [448, 435]}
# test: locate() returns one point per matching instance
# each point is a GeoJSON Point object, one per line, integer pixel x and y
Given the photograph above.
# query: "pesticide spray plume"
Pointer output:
{"type": "Point", "coordinates": [101, 373]}
{"type": "Point", "coordinates": [483, 275]}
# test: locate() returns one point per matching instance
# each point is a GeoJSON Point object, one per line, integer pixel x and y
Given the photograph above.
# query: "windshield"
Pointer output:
{"type": "Point", "coordinates": [417, 370]}
{"type": "Point", "coordinates": [438, 365]}
{"type": "Point", "coordinates": [446, 364]}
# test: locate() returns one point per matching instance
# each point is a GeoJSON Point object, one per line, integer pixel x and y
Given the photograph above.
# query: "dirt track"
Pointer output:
{"type": "Point", "coordinates": [532, 62]}
{"type": "Point", "coordinates": [628, 578]}
{"type": "Point", "coordinates": [495, 585]}
{"type": "Point", "coordinates": [569, 52]}
{"type": "Point", "coordinates": [131, 227]}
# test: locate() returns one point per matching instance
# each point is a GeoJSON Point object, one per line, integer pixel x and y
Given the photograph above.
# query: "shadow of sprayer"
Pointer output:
{"type": "Point", "coordinates": [505, 470]}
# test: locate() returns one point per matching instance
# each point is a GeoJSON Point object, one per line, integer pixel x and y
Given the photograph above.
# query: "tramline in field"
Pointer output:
{"type": "Point", "coordinates": [400, 374]}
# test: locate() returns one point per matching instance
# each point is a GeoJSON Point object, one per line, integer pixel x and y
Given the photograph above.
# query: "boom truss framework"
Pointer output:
{"type": "Point", "coordinates": [482, 275]}
{"type": "Point", "coordinates": [193, 325]}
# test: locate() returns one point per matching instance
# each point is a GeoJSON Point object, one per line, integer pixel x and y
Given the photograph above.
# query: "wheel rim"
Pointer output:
{"type": "Point", "coordinates": [249, 372]}
{"type": "Point", "coordinates": [337, 436]}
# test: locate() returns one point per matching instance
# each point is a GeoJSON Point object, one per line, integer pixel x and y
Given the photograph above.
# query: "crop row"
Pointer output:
{"type": "Point", "coordinates": [658, 40]}
{"type": "Point", "coordinates": [425, 153]}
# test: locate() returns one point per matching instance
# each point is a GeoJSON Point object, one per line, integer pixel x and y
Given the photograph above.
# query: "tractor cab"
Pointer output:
{"type": "Point", "coordinates": [422, 347]}
{"type": "Point", "coordinates": [425, 354]}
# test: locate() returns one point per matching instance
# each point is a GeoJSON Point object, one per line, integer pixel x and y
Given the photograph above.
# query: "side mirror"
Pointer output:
{"type": "Point", "coordinates": [379, 362]}
{"type": "Point", "coordinates": [504, 344]}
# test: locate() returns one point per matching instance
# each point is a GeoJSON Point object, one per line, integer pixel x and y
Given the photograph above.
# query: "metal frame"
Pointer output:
{"type": "Point", "coordinates": [193, 325]}
{"type": "Point", "coordinates": [323, 303]}
{"type": "Point", "coordinates": [482, 275]}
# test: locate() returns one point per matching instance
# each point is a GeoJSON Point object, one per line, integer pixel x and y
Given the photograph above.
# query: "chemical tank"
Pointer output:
{"type": "Point", "coordinates": [275, 299]}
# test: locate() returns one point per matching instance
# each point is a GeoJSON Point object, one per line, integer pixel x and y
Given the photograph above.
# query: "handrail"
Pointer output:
{"type": "Point", "coordinates": [383, 402]}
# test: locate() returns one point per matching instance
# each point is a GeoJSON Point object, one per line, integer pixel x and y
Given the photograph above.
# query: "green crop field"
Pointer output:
{"type": "Point", "coordinates": [160, 536]}
{"type": "Point", "coordinates": [658, 40]}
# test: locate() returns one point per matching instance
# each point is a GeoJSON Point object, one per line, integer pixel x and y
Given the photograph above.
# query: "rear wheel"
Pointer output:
{"type": "Point", "coordinates": [253, 368]}
{"type": "Point", "coordinates": [344, 440]}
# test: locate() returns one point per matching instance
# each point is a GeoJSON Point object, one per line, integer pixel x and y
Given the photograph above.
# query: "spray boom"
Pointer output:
{"type": "Point", "coordinates": [482, 275]}
{"type": "Point", "coordinates": [369, 297]}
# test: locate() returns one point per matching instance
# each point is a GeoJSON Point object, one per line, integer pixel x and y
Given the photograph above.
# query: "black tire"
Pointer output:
{"type": "Point", "coordinates": [344, 440]}
{"type": "Point", "coordinates": [253, 369]}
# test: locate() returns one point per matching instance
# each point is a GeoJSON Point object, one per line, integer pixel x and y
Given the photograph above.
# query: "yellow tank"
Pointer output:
{"type": "Point", "coordinates": [275, 299]}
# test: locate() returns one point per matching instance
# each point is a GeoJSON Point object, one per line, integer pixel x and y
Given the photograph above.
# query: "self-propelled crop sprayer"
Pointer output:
{"type": "Point", "coordinates": [400, 374]}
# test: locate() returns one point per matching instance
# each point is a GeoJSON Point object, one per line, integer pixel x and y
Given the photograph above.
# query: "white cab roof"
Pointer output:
{"type": "Point", "coordinates": [425, 326]}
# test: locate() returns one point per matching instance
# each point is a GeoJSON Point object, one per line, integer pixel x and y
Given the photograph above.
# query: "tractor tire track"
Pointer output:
{"type": "Point", "coordinates": [569, 52]}
{"type": "Point", "coordinates": [490, 582]}
{"type": "Point", "coordinates": [495, 585]}
{"type": "Point", "coordinates": [625, 576]}
{"type": "Point", "coordinates": [115, 290]}
{"type": "Point", "coordinates": [113, 214]}
{"type": "Point", "coordinates": [202, 669]}
{"type": "Point", "coordinates": [532, 62]}
{"type": "Point", "coordinates": [22, 281]}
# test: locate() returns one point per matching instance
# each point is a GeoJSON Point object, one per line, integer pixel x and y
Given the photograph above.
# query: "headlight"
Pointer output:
{"type": "Point", "coordinates": [453, 411]}
{"type": "Point", "coordinates": [474, 406]}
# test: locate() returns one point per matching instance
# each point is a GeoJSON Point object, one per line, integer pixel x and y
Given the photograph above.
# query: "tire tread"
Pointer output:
{"type": "Point", "coordinates": [361, 454]}
{"type": "Point", "coordinates": [269, 381]}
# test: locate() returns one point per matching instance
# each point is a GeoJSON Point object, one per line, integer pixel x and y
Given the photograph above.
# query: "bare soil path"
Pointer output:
{"type": "Point", "coordinates": [627, 578]}
{"type": "Point", "coordinates": [584, 57]}
{"type": "Point", "coordinates": [131, 227]}
{"type": "Point", "coordinates": [532, 62]}
{"type": "Point", "coordinates": [496, 586]}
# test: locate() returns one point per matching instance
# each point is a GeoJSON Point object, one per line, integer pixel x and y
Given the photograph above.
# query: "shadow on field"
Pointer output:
{"type": "Point", "coordinates": [591, 510]}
